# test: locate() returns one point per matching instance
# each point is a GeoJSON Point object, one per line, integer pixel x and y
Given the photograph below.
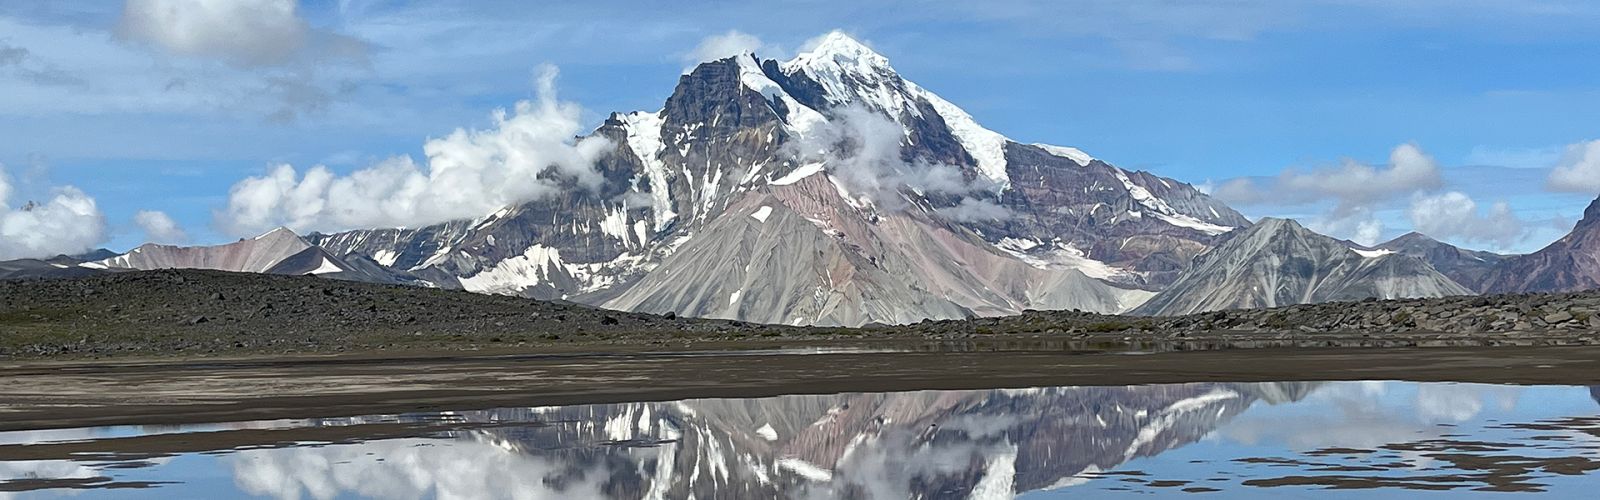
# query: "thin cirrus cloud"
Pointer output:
{"type": "Point", "coordinates": [529, 154]}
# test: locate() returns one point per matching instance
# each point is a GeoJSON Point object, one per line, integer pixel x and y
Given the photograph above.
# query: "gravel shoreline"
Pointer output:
{"type": "Point", "coordinates": [193, 313]}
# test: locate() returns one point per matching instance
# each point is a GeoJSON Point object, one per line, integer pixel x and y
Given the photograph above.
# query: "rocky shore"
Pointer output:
{"type": "Point", "coordinates": [200, 313]}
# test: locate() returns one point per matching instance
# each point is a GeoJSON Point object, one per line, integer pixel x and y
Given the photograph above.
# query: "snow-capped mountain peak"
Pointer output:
{"type": "Point", "coordinates": [839, 49]}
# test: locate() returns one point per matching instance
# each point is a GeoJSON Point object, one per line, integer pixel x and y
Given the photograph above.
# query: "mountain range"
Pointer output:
{"type": "Point", "coordinates": [828, 190]}
{"type": "Point", "coordinates": [1278, 262]}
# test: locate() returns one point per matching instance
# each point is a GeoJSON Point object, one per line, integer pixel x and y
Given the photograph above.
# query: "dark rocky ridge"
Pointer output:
{"type": "Point", "coordinates": [191, 312]}
{"type": "Point", "coordinates": [1571, 263]}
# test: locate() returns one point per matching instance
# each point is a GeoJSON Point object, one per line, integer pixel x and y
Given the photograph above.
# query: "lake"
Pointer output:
{"type": "Point", "coordinates": [1376, 439]}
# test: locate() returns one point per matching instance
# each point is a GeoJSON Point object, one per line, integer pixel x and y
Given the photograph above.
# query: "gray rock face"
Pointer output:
{"type": "Point", "coordinates": [1467, 267]}
{"type": "Point", "coordinates": [727, 136]}
{"type": "Point", "coordinates": [802, 255]}
{"type": "Point", "coordinates": [1570, 264]}
{"type": "Point", "coordinates": [1277, 262]}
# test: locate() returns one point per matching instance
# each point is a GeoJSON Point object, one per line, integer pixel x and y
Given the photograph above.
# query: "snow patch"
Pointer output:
{"type": "Point", "coordinates": [1076, 155]}
{"type": "Point", "coordinates": [1059, 255]}
{"type": "Point", "coordinates": [386, 257]}
{"type": "Point", "coordinates": [798, 173]}
{"type": "Point", "coordinates": [767, 432]}
{"type": "Point", "coordinates": [999, 477]}
{"type": "Point", "coordinates": [804, 469]}
{"type": "Point", "coordinates": [801, 119]}
{"type": "Point", "coordinates": [644, 138]}
{"type": "Point", "coordinates": [326, 267]}
{"type": "Point", "coordinates": [1372, 254]}
{"type": "Point", "coordinates": [1161, 210]}
{"type": "Point", "coordinates": [762, 213]}
{"type": "Point", "coordinates": [986, 146]}
{"type": "Point", "coordinates": [515, 274]}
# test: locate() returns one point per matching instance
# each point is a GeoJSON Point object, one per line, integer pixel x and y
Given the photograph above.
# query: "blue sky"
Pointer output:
{"type": "Point", "coordinates": [1494, 92]}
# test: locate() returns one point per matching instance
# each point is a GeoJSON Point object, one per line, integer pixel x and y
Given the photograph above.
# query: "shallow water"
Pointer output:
{"type": "Point", "coordinates": [1222, 440]}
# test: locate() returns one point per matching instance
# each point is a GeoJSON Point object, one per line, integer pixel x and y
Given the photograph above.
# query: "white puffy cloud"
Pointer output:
{"type": "Point", "coordinates": [1455, 215]}
{"type": "Point", "coordinates": [529, 154]}
{"type": "Point", "coordinates": [1355, 190]}
{"type": "Point", "coordinates": [158, 227]}
{"type": "Point", "coordinates": [1357, 224]}
{"type": "Point", "coordinates": [1579, 169]}
{"type": "Point", "coordinates": [241, 32]}
{"type": "Point", "coordinates": [68, 223]}
{"type": "Point", "coordinates": [732, 43]}
{"type": "Point", "coordinates": [1352, 183]}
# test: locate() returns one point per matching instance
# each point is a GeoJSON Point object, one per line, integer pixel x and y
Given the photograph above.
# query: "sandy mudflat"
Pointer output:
{"type": "Point", "coordinates": [46, 394]}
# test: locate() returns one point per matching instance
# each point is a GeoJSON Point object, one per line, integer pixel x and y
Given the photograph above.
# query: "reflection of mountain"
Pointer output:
{"type": "Point", "coordinates": [931, 444]}
{"type": "Point", "coordinates": [1594, 392]}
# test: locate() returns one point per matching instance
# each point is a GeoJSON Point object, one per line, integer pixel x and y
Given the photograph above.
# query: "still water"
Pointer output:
{"type": "Point", "coordinates": [1221, 440]}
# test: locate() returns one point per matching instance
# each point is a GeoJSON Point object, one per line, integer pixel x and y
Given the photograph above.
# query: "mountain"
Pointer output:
{"type": "Point", "coordinates": [256, 255]}
{"type": "Point", "coordinates": [279, 251]}
{"type": "Point", "coordinates": [744, 135]}
{"type": "Point", "coordinates": [1467, 267]}
{"type": "Point", "coordinates": [1570, 264]}
{"type": "Point", "coordinates": [924, 444]}
{"type": "Point", "coordinates": [60, 266]}
{"type": "Point", "coordinates": [1278, 262]}
{"type": "Point", "coordinates": [899, 267]}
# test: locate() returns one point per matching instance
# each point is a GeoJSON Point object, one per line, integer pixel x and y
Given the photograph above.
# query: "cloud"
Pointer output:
{"type": "Point", "coordinates": [1513, 157]}
{"type": "Point", "coordinates": [242, 32]}
{"type": "Point", "coordinates": [974, 210]}
{"type": "Point", "coordinates": [862, 150]}
{"type": "Point", "coordinates": [1454, 215]}
{"type": "Point", "coordinates": [1357, 224]}
{"type": "Point", "coordinates": [68, 223]}
{"type": "Point", "coordinates": [1352, 183]}
{"type": "Point", "coordinates": [529, 154]}
{"type": "Point", "coordinates": [732, 43]}
{"type": "Point", "coordinates": [159, 228]}
{"type": "Point", "coordinates": [1354, 188]}
{"type": "Point", "coordinates": [1578, 171]}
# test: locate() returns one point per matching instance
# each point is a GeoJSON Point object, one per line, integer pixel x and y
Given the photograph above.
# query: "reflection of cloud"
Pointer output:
{"type": "Point", "coordinates": [413, 468]}
{"type": "Point", "coordinates": [1453, 403]}
{"type": "Point", "coordinates": [1356, 418]}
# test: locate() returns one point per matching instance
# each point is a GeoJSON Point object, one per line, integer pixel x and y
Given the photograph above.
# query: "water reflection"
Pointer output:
{"type": "Point", "coordinates": [1240, 438]}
